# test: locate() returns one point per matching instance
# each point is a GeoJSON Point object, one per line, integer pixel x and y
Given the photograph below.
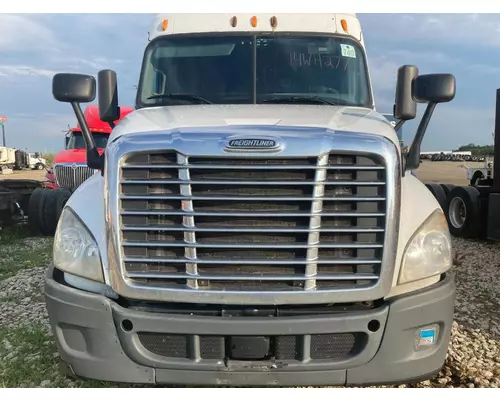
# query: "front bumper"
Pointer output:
{"type": "Point", "coordinates": [99, 339]}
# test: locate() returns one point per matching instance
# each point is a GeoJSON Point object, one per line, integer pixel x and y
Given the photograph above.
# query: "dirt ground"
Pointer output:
{"type": "Point", "coordinates": [445, 172]}
{"type": "Point", "coordinates": [27, 174]}
{"type": "Point", "coordinates": [428, 172]}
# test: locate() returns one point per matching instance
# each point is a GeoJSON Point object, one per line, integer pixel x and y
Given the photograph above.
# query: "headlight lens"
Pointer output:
{"type": "Point", "coordinates": [429, 251]}
{"type": "Point", "coordinates": [75, 250]}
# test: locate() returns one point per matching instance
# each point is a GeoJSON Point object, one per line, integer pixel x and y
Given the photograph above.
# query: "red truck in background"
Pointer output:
{"type": "Point", "coordinates": [68, 171]}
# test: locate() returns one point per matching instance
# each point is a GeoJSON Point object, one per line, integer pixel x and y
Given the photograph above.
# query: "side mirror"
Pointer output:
{"type": "Point", "coordinates": [66, 141]}
{"type": "Point", "coordinates": [109, 111]}
{"type": "Point", "coordinates": [431, 89]}
{"type": "Point", "coordinates": [405, 107]}
{"type": "Point", "coordinates": [73, 88]}
{"type": "Point", "coordinates": [434, 88]}
{"type": "Point", "coordinates": [76, 89]}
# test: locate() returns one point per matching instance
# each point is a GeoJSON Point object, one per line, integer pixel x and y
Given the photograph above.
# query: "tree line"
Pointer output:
{"type": "Point", "coordinates": [477, 150]}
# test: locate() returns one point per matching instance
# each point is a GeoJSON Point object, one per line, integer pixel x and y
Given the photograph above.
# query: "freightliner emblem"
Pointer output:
{"type": "Point", "coordinates": [252, 144]}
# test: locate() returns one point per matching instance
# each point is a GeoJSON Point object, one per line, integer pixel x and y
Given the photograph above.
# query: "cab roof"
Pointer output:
{"type": "Point", "coordinates": [173, 24]}
{"type": "Point", "coordinates": [91, 115]}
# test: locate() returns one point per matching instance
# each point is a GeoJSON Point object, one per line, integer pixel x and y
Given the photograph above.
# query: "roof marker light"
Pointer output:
{"type": "Point", "coordinates": [344, 25]}
{"type": "Point", "coordinates": [253, 21]}
{"type": "Point", "coordinates": [234, 21]}
{"type": "Point", "coordinates": [164, 25]}
{"type": "Point", "coordinates": [274, 22]}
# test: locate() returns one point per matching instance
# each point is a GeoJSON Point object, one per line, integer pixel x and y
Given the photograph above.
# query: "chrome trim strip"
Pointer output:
{"type": "Point", "coordinates": [251, 198]}
{"type": "Point", "coordinates": [315, 222]}
{"type": "Point", "coordinates": [228, 182]}
{"type": "Point", "coordinates": [256, 261]}
{"type": "Point", "coordinates": [256, 214]}
{"type": "Point", "coordinates": [198, 143]}
{"type": "Point", "coordinates": [280, 230]}
{"type": "Point", "coordinates": [270, 167]}
{"type": "Point", "coordinates": [283, 277]}
{"type": "Point", "coordinates": [337, 245]}
{"type": "Point", "coordinates": [188, 221]}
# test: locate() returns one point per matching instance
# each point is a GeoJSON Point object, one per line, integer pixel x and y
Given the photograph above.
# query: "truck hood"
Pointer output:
{"type": "Point", "coordinates": [335, 118]}
{"type": "Point", "coordinates": [78, 156]}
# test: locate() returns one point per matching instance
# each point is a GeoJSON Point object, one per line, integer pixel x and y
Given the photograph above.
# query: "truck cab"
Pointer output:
{"type": "Point", "coordinates": [255, 222]}
{"type": "Point", "coordinates": [36, 161]}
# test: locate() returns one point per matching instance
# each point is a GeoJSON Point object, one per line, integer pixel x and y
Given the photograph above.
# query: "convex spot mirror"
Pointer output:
{"type": "Point", "coordinates": [108, 96]}
{"type": "Point", "coordinates": [405, 107]}
{"type": "Point", "coordinates": [73, 88]}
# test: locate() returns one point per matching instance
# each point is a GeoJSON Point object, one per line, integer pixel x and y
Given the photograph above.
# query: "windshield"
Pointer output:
{"type": "Point", "coordinates": [220, 69]}
{"type": "Point", "coordinates": [76, 140]}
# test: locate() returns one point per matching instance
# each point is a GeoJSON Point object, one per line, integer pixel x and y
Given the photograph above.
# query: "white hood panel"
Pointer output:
{"type": "Point", "coordinates": [168, 119]}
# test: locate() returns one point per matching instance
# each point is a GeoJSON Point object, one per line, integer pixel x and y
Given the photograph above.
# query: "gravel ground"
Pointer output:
{"type": "Point", "coordinates": [473, 358]}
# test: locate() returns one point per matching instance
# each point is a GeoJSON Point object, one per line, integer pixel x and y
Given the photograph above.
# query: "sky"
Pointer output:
{"type": "Point", "coordinates": [33, 47]}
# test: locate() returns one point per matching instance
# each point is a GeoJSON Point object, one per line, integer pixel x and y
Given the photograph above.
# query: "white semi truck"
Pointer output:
{"type": "Point", "coordinates": [254, 221]}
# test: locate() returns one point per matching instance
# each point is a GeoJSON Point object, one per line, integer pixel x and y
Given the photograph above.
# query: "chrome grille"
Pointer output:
{"type": "Point", "coordinates": [243, 224]}
{"type": "Point", "coordinates": [71, 176]}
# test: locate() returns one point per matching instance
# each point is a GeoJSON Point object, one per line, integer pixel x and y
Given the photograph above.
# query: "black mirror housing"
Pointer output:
{"type": "Point", "coordinates": [73, 88]}
{"type": "Point", "coordinates": [431, 89]}
{"type": "Point", "coordinates": [434, 88]}
{"type": "Point", "coordinates": [405, 107]}
{"type": "Point", "coordinates": [109, 111]}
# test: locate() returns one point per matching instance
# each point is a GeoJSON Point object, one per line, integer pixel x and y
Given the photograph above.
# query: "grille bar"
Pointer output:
{"type": "Point", "coordinates": [239, 261]}
{"type": "Point", "coordinates": [255, 214]}
{"type": "Point", "coordinates": [338, 277]}
{"type": "Point", "coordinates": [260, 183]}
{"type": "Point", "coordinates": [188, 222]}
{"type": "Point", "coordinates": [253, 198]}
{"type": "Point", "coordinates": [256, 245]}
{"type": "Point", "coordinates": [257, 167]}
{"type": "Point", "coordinates": [315, 223]}
{"type": "Point", "coordinates": [250, 230]}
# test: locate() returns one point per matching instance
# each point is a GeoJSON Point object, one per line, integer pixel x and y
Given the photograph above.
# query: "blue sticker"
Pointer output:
{"type": "Point", "coordinates": [427, 336]}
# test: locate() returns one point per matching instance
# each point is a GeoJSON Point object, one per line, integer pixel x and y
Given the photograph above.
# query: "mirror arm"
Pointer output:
{"type": "Point", "coordinates": [412, 160]}
{"type": "Point", "coordinates": [399, 125]}
{"type": "Point", "coordinates": [94, 160]}
{"type": "Point", "coordinates": [112, 125]}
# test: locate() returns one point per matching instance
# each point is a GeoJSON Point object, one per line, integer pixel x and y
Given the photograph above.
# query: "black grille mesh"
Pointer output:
{"type": "Point", "coordinates": [175, 346]}
{"type": "Point", "coordinates": [212, 347]}
{"type": "Point", "coordinates": [331, 346]}
{"type": "Point", "coordinates": [324, 346]}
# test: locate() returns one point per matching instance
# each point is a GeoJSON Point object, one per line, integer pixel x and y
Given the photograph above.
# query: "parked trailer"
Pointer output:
{"type": "Point", "coordinates": [474, 211]}
{"type": "Point", "coordinates": [7, 158]}
{"type": "Point", "coordinates": [15, 197]}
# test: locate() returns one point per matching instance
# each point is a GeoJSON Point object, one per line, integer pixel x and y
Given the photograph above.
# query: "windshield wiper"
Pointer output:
{"type": "Point", "coordinates": [299, 99]}
{"type": "Point", "coordinates": [180, 96]}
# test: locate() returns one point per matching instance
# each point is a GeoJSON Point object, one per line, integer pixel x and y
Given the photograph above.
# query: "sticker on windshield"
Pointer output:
{"type": "Point", "coordinates": [348, 50]}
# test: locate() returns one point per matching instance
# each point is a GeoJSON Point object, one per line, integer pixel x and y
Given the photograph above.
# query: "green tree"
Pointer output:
{"type": "Point", "coordinates": [477, 150]}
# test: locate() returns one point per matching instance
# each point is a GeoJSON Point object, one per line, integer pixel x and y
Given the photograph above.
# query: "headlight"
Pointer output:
{"type": "Point", "coordinates": [75, 250]}
{"type": "Point", "coordinates": [429, 251]}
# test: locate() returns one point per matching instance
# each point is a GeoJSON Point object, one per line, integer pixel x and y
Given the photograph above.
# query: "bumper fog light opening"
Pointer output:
{"type": "Point", "coordinates": [426, 337]}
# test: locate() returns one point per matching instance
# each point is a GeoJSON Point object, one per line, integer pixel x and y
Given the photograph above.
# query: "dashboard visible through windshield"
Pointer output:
{"type": "Point", "coordinates": [229, 69]}
{"type": "Point", "coordinates": [76, 140]}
